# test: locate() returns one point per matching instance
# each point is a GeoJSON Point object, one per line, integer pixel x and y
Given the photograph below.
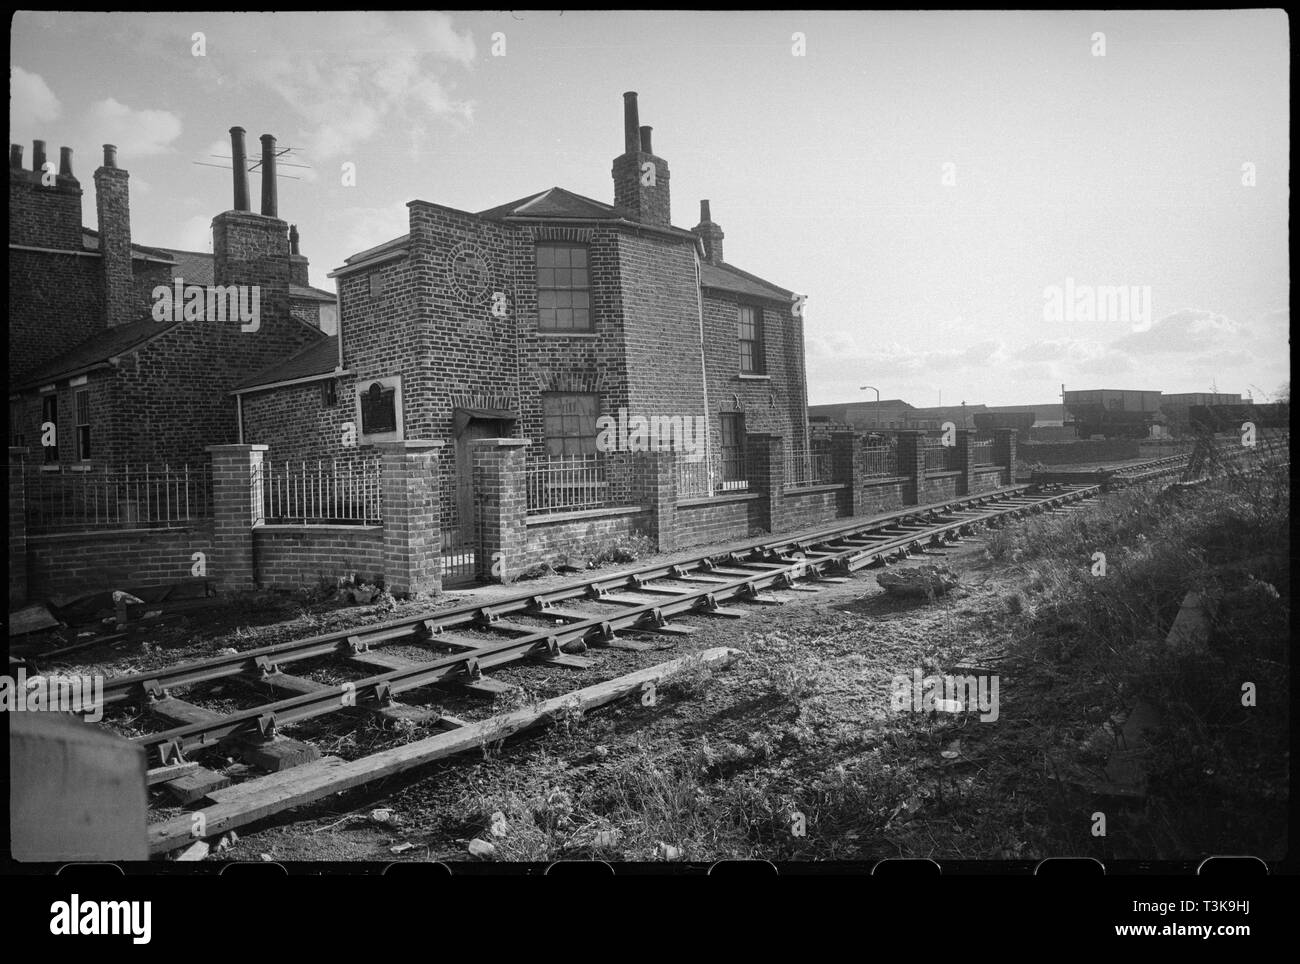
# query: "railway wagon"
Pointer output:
{"type": "Point", "coordinates": [1228, 418]}
{"type": "Point", "coordinates": [988, 421]}
{"type": "Point", "coordinates": [1114, 413]}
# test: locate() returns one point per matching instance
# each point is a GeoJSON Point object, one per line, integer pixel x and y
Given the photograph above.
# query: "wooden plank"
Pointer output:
{"type": "Point", "coordinates": [394, 711]}
{"type": "Point", "coordinates": [163, 774]}
{"type": "Point", "coordinates": [666, 630]}
{"type": "Point", "coordinates": [723, 611]}
{"type": "Point", "coordinates": [258, 799]}
{"type": "Point", "coordinates": [384, 661]}
{"type": "Point", "coordinates": [182, 713]}
{"type": "Point", "coordinates": [279, 753]}
{"type": "Point", "coordinates": [196, 785]}
{"type": "Point", "coordinates": [485, 685]}
{"type": "Point", "coordinates": [571, 662]}
{"type": "Point", "coordinates": [30, 619]}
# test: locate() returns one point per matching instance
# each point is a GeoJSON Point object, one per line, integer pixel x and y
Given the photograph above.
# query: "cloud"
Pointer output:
{"type": "Point", "coordinates": [369, 74]}
{"type": "Point", "coordinates": [137, 133]}
{"type": "Point", "coordinates": [31, 100]}
{"type": "Point", "coordinates": [1188, 331]}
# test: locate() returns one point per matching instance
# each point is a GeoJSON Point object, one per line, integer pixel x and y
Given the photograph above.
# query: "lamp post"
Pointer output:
{"type": "Point", "coordinates": [877, 391]}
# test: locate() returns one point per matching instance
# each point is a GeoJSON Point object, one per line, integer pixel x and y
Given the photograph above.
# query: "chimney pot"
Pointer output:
{"type": "Point", "coordinates": [631, 123]}
{"type": "Point", "coordinates": [293, 239]}
{"type": "Point", "coordinates": [705, 217]}
{"type": "Point", "coordinates": [16, 156]}
{"type": "Point", "coordinates": [65, 162]}
{"type": "Point", "coordinates": [38, 156]}
{"type": "Point", "coordinates": [645, 140]}
{"type": "Point", "coordinates": [239, 165]}
{"type": "Point", "coordinates": [269, 205]}
{"type": "Point", "coordinates": [110, 155]}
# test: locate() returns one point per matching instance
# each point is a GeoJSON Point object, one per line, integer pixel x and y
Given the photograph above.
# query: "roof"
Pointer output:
{"type": "Point", "coordinates": [199, 268]}
{"type": "Point", "coordinates": [95, 351]}
{"type": "Point", "coordinates": [90, 242]}
{"type": "Point", "coordinates": [308, 293]}
{"type": "Point", "coordinates": [555, 203]}
{"type": "Point", "coordinates": [314, 361]}
{"type": "Point", "coordinates": [726, 277]}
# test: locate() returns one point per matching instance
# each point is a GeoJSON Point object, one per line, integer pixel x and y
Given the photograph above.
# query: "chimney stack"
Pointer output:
{"type": "Point", "coordinates": [16, 157]}
{"type": "Point", "coordinates": [640, 178]}
{"type": "Point", "coordinates": [631, 141]}
{"type": "Point", "coordinates": [65, 162]}
{"type": "Point", "coordinates": [268, 176]}
{"type": "Point", "coordinates": [38, 156]}
{"type": "Point", "coordinates": [239, 165]}
{"type": "Point", "coordinates": [122, 303]}
{"type": "Point", "coordinates": [710, 234]}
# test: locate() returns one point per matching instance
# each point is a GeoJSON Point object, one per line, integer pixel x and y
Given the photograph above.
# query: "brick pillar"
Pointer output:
{"type": "Point", "coordinates": [500, 507]}
{"type": "Point", "coordinates": [911, 464]}
{"type": "Point", "coordinates": [848, 459]}
{"type": "Point", "coordinates": [17, 526]}
{"type": "Point", "coordinates": [657, 478]}
{"type": "Point", "coordinates": [236, 509]}
{"type": "Point", "coordinates": [1004, 453]}
{"type": "Point", "coordinates": [412, 507]}
{"type": "Point", "coordinates": [765, 468]}
{"type": "Point", "coordinates": [966, 461]}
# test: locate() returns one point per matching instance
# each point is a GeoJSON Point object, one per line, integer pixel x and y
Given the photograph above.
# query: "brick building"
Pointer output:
{"type": "Point", "coordinates": [531, 320]}
{"type": "Point", "coordinates": [88, 354]}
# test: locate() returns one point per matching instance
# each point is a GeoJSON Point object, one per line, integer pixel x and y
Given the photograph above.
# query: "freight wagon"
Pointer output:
{"type": "Point", "coordinates": [1114, 413]}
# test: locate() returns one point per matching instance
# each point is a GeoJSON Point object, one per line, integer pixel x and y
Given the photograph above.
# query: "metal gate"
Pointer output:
{"type": "Point", "coordinates": [459, 538]}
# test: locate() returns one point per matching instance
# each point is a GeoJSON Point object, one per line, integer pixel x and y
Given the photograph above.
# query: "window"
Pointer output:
{"type": "Point", "coordinates": [570, 423]}
{"type": "Point", "coordinates": [563, 288]}
{"type": "Point", "coordinates": [49, 427]}
{"type": "Point", "coordinates": [750, 329]}
{"type": "Point", "coordinates": [376, 285]}
{"type": "Point", "coordinates": [733, 446]}
{"type": "Point", "coordinates": [16, 417]}
{"type": "Point", "coordinates": [378, 410]}
{"type": "Point", "coordinates": [329, 393]}
{"type": "Point", "coordinates": [81, 407]}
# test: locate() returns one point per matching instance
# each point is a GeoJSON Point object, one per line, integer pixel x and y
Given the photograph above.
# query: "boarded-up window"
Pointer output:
{"type": "Point", "coordinates": [570, 423]}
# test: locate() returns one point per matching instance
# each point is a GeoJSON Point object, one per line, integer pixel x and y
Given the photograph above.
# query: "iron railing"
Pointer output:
{"type": "Point", "coordinates": [321, 492]}
{"type": "Point", "coordinates": [881, 460]}
{"type": "Point", "coordinates": [126, 497]}
{"type": "Point", "coordinates": [808, 466]}
{"type": "Point", "coordinates": [939, 457]}
{"type": "Point", "coordinates": [983, 451]}
{"type": "Point", "coordinates": [572, 483]}
{"type": "Point", "coordinates": [722, 471]}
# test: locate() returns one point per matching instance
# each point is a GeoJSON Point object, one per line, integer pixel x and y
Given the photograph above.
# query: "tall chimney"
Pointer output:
{"type": "Point", "coordinates": [16, 156]}
{"type": "Point", "coordinates": [113, 207]}
{"type": "Point", "coordinates": [38, 156]}
{"type": "Point", "coordinates": [640, 178]}
{"type": "Point", "coordinates": [239, 164]}
{"type": "Point", "coordinates": [710, 234]}
{"type": "Point", "coordinates": [65, 162]}
{"type": "Point", "coordinates": [631, 141]}
{"type": "Point", "coordinates": [268, 176]}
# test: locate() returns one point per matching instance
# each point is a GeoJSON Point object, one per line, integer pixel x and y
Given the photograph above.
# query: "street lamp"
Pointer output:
{"type": "Point", "coordinates": [877, 391]}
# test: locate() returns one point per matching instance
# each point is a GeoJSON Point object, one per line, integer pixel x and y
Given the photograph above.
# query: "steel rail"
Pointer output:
{"type": "Point", "coordinates": [263, 721]}
{"type": "Point", "coordinates": [136, 685]}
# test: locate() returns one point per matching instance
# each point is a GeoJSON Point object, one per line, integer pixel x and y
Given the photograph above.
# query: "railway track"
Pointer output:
{"type": "Point", "coordinates": [552, 628]}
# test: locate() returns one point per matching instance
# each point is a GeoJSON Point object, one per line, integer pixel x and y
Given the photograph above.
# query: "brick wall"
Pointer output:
{"type": "Point", "coordinates": [882, 495]}
{"type": "Point", "coordinates": [56, 301]}
{"type": "Point", "coordinates": [940, 486]}
{"type": "Point", "coordinates": [81, 562]}
{"type": "Point", "coordinates": [723, 519]}
{"type": "Point", "coordinates": [295, 423]}
{"type": "Point", "coordinates": [810, 507]}
{"type": "Point", "coordinates": [988, 479]}
{"type": "Point", "coordinates": [292, 557]}
{"type": "Point", "coordinates": [547, 538]}
{"type": "Point", "coordinates": [773, 405]}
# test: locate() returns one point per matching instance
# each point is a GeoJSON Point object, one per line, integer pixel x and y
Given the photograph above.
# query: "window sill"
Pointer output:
{"type": "Point", "coordinates": [757, 378]}
{"type": "Point", "coordinates": [565, 334]}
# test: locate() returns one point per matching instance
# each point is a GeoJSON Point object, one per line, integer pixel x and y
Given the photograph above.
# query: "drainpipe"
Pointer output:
{"type": "Point", "coordinates": [239, 418]}
{"type": "Point", "coordinates": [704, 370]}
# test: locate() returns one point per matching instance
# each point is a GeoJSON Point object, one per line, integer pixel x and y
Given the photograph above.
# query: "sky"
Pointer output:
{"type": "Point", "coordinates": [950, 191]}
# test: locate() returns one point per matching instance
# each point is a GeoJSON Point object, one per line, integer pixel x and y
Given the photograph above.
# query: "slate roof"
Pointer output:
{"type": "Point", "coordinates": [321, 358]}
{"type": "Point", "coordinates": [726, 277]}
{"type": "Point", "coordinates": [94, 351]}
